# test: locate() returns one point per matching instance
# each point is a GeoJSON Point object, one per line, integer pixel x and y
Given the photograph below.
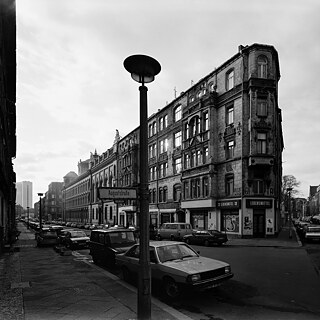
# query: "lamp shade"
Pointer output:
{"type": "Point", "coordinates": [142, 68]}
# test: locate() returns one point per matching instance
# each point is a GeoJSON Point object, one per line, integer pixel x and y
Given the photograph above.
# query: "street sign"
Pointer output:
{"type": "Point", "coordinates": [106, 193]}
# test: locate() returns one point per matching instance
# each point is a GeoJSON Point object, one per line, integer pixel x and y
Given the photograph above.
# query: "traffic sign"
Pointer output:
{"type": "Point", "coordinates": [106, 193]}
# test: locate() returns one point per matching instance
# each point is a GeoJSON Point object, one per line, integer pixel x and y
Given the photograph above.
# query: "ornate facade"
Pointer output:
{"type": "Point", "coordinates": [215, 154]}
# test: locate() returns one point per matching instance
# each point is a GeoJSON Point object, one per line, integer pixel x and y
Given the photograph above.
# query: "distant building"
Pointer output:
{"type": "Point", "coordinates": [24, 195]}
{"type": "Point", "coordinates": [214, 152]}
{"type": "Point", "coordinates": [53, 202]}
{"type": "Point", "coordinates": [7, 119]}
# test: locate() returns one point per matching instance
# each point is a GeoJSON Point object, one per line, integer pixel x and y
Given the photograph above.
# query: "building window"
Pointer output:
{"type": "Point", "coordinates": [165, 121]}
{"type": "Point", "coordinates": [186, 190]}
{"type": "Point", "coordinates": [205, 186]}
{"type": "Point", "coordinates": [177, 139]}
{"type": "Point", "coordinates": [110, 214]}
{"type": "Point", "coordinates": [258, 187]}
{"type": "Point", "coordinates": [193, 159]}
{"type": "Point", "coordinates": [229, 116]}
{"type": "Point", "coordinates": [262, 108]}
{"type": "Point", "coordinates": [160, 195]}
{"type": "Point", "coordinates": [154, 195]}
{"type": "Point", "coordinates": [205, 155]}
{"type": "Point", "coordinates": [176, 193]}
{"type": "Point", "coordinates": [262, 142]}
{"type": "Point", "coordinates": [186, 161]}
{"type": "Point", "coordinates": [230, 80]}
{"type": "Point", "coordinates": [177, 113]}
{"type": "Point", "coordinates": [161, 124]}
{"type": "Point", "coordinates": [177, 165]}
{"type": "Point", "coordinates": [165, 194]}
{"type": "Point", "coordinates": [163, 145]}
{"type": "Point", "coordinates": [262, 67]}
{"type": "Point", "coordinates": [229, 185]}
{"type": "Point", "coordinates": [206, 121]}
{"type": "Point", "coordinates": [163, 170]}
{"type": "Point", "coordinates": [195, 188]}
{"type": "Point", "coordinates": [186, 131]}
{"type": "Point", "coordinates": [230, 149]}
{"type": "Point", "coordinates": [198, 158]}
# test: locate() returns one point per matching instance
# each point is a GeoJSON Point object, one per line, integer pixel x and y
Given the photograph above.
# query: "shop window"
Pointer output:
{"type": "Point", "coordinates": [230, 221]}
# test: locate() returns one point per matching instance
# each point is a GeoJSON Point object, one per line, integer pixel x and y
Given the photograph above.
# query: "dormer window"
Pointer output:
{"type": "Point", "coordinates": [230, 79]}
{"type": "Point", "coordinates": [262, 67]}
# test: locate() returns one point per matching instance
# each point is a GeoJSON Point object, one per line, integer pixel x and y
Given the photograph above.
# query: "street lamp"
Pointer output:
{"type": "Point", "coordinates": [289, 209]}
{"type": "Point", "coordinates": [40, 213]}
{"type": "Point", "coordinates": [143, 69]}
{"type": "Point", "coordinates": [28, 216]}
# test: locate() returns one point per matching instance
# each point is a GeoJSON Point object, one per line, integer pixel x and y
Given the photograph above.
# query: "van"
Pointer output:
{"type": "Point", "coordinates": [174, 231]}
{"type": "Point", "coordinates": [106, 244]}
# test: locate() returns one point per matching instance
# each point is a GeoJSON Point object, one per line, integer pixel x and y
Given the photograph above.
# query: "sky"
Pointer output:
{"type": "Point", "coordinates": [73, 91]}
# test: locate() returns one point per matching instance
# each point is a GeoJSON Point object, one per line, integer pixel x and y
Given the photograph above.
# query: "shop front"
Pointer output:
{"type": "Point", "coordinates": [258, 217]}
{"type": "Point", "coordinates": [230, 211]}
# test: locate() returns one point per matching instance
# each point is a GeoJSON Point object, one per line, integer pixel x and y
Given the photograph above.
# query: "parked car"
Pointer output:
{"type": "Point", "coordinates": [207, 238]}
{"type": "Point", "coordinates": [105, 244]}
{"type": "Point", "coordinates": [62, 235]}
{"type": "Point", "coordinates": [174, 231]}
{"type": "Point", "coordinates": [76, 239]}
{"type": "Point", "coordinates": [312, 233]}
{"type": "Point", "coordinates": [46, 237]}
{"type": "Point", "coordinates": [176, 267]}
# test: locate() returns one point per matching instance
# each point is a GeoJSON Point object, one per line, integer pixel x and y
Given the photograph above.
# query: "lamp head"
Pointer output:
{"type": "Point", "coordinates": [143, 68]}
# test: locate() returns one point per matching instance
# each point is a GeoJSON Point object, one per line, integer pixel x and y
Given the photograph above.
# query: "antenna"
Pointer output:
{"type": "Point", "coordinates": [175, 92]}
{"type": "Point", "coordinates": [191, 83]}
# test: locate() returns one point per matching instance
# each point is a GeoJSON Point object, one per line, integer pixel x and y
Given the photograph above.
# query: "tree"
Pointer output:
{"type": "Point", "coordinates": [289, 181]}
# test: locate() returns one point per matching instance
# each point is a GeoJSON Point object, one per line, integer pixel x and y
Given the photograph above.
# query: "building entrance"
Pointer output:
{"type": "Point", "coordinates": [259, 223]}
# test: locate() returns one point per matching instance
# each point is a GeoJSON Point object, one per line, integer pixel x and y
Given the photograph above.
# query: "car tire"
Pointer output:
{"type": "Point", "coordinates": [95, 260]}
{"type": "Point", "coordinates": [206, 243]}
{"type": "Point", "coordinates": [172, 238]}
{"type": "Point", "coordinates": [159, 237]}
{"type": "Point", "coordinates": [125, 274]}
{"type": "Point", "coordinates": [171, 289]}
{"type": "Point", "coordinates": [188, 241]}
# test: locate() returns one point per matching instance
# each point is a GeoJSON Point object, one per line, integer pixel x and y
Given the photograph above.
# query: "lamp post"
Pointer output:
{"type": "Point", "coordinates": [289, 209]}
{"type": "Point", "coordinates": [40, 213]}
{"type": "Point", "coordinates": [143, 70]}
{"type": "Point", "coordinates": [28, 216]}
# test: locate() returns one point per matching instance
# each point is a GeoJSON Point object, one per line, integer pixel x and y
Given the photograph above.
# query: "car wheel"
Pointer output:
{"type": "Point", "coordinates": [206, 243]}
{"type": "Point", "coordinates": [95, 260]}
{"type": "Point", "coordinates": [219, 244]}
{"type": "Point", "coordinates": [171, 289]}
{"type": "Point", "coordinates": [159, 237]}
{"type": "Point", "coordinates": [172, 238]}
{"type": "Point", "coordinates": [125, 274]}
{"type": "Point", "coordinates": [188, 241]}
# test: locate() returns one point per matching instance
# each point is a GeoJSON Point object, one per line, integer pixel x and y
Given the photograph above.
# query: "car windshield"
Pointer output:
{"type": "Point", "coordinates": [121, 237]}
{"type": "Point", "coordinates": [175, 252]}
{"type": "Point", "coordinates": [77, 234]}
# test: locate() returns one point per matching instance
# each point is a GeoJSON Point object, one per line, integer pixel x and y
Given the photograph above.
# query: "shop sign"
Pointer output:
{"type": "Point", "coordinates": [229, 204]}
{"type": "Point", "coordinates": [258, 203]}
{"type": "Point", "coordinates": [105, 193]}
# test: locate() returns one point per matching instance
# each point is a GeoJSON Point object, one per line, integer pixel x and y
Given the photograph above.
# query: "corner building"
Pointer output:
{"type": "Point", "coordinates": [214, 153]}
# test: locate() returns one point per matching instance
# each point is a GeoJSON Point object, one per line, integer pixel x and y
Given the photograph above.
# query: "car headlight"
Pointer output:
{"type": "Point", "coordinates": [194, 278]}
{"type": "Point", "coordinates": [227, 269]}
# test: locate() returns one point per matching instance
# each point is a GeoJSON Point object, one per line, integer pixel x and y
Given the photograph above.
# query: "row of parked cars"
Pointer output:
{"type": "Point", "coordinates": [308, 228]}
{"type": "Point", "coordinates": [174, 264]}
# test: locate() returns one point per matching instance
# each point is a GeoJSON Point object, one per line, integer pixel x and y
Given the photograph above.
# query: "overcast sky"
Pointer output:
{"type": "Point", "coordinates": [73, 91]}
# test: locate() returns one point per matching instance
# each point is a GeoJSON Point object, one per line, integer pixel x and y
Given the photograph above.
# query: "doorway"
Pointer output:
{"type": "Point", "coordinates": [259, 223]}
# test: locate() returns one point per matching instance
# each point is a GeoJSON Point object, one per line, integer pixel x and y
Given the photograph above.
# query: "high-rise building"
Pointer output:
{"type": "Point", "coordinates": [24, 194]}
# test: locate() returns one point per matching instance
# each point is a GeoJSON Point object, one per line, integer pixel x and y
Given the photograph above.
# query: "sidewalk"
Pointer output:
{"type": "Point", "coordinates": [282, 240]}
{"type": "Point", "coordinates": [38, 283]}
